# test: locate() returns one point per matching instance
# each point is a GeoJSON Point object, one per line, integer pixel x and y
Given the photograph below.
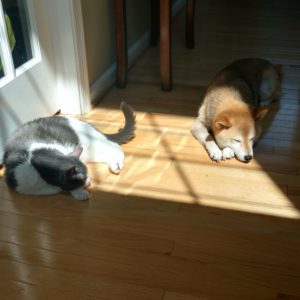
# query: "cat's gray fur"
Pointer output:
{"type": "Point", "coordinates": [43, 156]}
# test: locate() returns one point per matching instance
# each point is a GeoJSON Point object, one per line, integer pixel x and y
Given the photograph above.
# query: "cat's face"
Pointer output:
{"type": "Point", "coordinates": [74, 173]}
{"type": "Point", "coordinates": [65, 171]}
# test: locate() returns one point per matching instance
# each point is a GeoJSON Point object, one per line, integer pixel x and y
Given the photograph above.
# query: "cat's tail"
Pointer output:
{"type": "Point", "coordinates": [127, 132]}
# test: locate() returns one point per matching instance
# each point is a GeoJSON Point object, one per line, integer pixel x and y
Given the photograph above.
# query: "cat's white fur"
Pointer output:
{"type": "Point", "coordinates": [28, 179]}
{"type": "Point", "coordinates": [96, 148]}
{"type": "Point", "coordinates": [64, 149]}
{"type": "Point", "coordinates": [93, 146]}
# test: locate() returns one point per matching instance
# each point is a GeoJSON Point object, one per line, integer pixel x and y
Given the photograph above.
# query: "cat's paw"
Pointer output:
{"type": "Point", "coordinates": [80, 194]}
{"type": "Point", "coordinates": [227, 153]}
{"type": "Point", "coordinates": [115, 167]}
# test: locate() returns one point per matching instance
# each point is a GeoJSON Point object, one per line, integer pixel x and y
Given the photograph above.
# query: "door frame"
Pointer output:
{"type": "Point", "coordinates": [68, 44]}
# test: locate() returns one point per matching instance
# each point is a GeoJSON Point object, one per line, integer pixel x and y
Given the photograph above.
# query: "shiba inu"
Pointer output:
{"type": "Point", "coordinates": [239, 96]}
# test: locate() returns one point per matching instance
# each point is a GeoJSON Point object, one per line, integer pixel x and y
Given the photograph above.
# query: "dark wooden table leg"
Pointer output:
{"type": "Point", "coordinates": [165, 45]}
{"type": "Point", "coordinates": [121, 43]}
{"type": "Point", "coordinates": [154, 22]}
{"type": "Point", "coordinates": [189, 24]}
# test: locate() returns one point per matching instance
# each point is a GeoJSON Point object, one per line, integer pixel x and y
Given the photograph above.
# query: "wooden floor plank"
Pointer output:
{"type": "Point", "coordinates": [177, 296]}
{"type": "Point", "coordinates": [87, 283]}
{"type": "Point", "coordinates": [174, 225]}
{"type": "Point", "coordinates": [11, 290]}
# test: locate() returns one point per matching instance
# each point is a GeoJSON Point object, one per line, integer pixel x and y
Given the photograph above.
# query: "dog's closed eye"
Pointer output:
{"type": "Point", "coordinates": [236, 140]}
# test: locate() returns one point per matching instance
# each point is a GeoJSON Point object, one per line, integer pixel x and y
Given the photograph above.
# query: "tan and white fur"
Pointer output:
{"type": "Point", "coordinates": [228, 122]}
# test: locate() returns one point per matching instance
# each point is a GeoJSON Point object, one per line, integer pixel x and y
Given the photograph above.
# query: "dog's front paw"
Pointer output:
{"type": "Point", "coordinates": [214, 152]}
{"type": "Point", "coordinates": [80, 194]}
{"type": "Point", "coordinates": [227, 153]}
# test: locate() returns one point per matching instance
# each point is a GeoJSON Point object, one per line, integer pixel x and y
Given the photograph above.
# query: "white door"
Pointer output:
{"type": "Point", "coordinates": [40, 68]}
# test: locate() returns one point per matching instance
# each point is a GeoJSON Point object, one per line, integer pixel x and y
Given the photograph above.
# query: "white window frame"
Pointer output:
{"type": "Point", "coordinates": [10, 73]}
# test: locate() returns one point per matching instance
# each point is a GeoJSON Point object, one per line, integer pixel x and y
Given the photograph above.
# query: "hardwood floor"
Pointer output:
{"type": "Point", "coordinates": [174, 225]}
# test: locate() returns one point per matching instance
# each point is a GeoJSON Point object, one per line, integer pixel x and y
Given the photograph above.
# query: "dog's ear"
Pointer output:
{"type": "Point", "coordinates": [222, 122]}
{"type": "Point", "coordinates": [259, 112]}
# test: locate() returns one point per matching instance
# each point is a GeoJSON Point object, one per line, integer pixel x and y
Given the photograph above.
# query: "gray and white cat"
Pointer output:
{"type": "Point", "coordinates": [48, 155]}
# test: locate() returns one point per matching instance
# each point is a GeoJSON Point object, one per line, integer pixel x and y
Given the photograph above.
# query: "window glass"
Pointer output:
{"type": "Point", "coordinates": [1, 69]}
{"type": "Point", "coordinates": [17, 25]}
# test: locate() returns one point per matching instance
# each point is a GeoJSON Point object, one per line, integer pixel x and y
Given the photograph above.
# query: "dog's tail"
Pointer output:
{"type": "Point", "coordinates": [127, 132]}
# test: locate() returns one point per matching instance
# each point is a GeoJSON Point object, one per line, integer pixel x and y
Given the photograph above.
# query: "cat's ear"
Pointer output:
{"type": "Point", "coordinates": [76, 152]}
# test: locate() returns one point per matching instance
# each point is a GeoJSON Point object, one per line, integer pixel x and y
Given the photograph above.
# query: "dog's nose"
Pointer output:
{"type": "Point", "coordinates": [247, 158]}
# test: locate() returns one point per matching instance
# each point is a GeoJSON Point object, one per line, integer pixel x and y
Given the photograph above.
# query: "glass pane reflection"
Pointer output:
{"type": "Point", "coordinates": [17, 24]}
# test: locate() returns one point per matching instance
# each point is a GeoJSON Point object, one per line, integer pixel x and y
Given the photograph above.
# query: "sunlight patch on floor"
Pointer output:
{"type": "Point", "coordinates": [165, 162]}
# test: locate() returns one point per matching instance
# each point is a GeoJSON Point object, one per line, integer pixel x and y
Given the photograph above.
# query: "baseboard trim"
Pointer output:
{"type": "Point", "coordinates": [108, 78]}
